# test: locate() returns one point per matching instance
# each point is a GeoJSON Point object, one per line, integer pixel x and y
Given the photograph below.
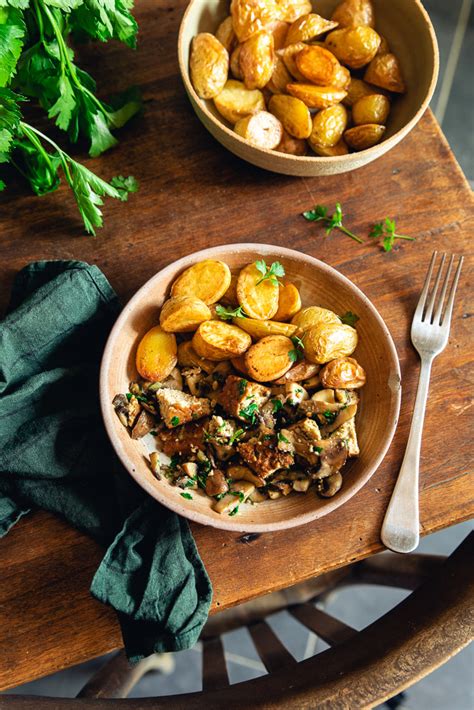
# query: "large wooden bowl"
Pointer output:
{"type": "Point", "coordinates": [408, 29]}
{"type": "Point", "coordinates": [319, 284]}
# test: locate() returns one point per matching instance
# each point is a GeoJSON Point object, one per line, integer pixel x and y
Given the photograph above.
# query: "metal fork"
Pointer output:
{"type": "Point", "coordinates": [429, 335]}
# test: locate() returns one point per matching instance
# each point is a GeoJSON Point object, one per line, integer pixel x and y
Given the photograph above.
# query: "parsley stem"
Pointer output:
{"type": "Point", "coordinates": [350, 234]}
{"type": "Point", "coordinates": [29, 132]}
{"type": "Point", "coordinates": [403, 236]}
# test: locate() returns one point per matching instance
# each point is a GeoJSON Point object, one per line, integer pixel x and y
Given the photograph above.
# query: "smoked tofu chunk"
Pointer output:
{"type": "Point", "coordinates": [263, 455]}
{"type": "Point", "coordinates": [347, 432]}
{"type": "Point", "coordinates": [178, 408]}
{"type": "Point", "coordinates": [186, 440]}
{"type": "Point", "coordinates": [304, 436]}
{"type": "Point", "coordinates": [243, 399]}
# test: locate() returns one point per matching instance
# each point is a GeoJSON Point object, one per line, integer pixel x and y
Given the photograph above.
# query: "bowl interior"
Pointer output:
{"type": "Point", "coordinates": [319, 285]}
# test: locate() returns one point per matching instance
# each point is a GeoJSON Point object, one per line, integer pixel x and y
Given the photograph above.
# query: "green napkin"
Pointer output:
{"type": "Point", "coordinates": [54, 454]}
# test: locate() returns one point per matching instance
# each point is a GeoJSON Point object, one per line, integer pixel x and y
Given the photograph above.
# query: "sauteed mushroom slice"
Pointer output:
{"type": "Point", "coordinates": [238, 493]}
{"type": "Point", "coordinates": [144, 424]}
{"type": "Point", "coordinates": [333, 457]}
{"type": "Point", "coordinates": [328, 487]}
{"type": "Point", "coordinates": [344, 415]}
{"type": "Point", "coordinates": [215, 483]}
{"type": "Point", "coordinates": [120, 404]}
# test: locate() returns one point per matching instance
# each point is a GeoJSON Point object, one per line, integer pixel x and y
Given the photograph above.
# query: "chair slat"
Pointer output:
{"type": "Point", "coordinates": [324, 625]}
{"type": "Point", "coordinates": [394, 570]}
{"type": "Point", "coordinates": [272, 652]}
{"type": "Point", "coordinates": [214, 668]}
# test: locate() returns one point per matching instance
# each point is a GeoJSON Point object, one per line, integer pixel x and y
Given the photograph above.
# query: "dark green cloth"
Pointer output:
{"type": "Point", "coordinates": [55, 455]}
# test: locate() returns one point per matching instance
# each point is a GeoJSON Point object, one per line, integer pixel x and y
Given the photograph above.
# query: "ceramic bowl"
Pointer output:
{"type": "Point", "coordinates": [408, 29]}
{"type": "Point", "coordinates": [319, 284]}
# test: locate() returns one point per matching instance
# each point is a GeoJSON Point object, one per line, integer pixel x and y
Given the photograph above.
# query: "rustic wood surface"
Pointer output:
{"type": "Point", "coordinates": [193, 194]}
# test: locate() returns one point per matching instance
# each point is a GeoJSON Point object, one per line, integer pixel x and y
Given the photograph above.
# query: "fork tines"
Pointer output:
{"type": "Point", "coordinates": [442, 314]}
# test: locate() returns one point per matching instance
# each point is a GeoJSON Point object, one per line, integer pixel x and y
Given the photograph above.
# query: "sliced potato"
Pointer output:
{"type": "Point", "coordinates": [207, 280]}
{"type": "Point", "coordinates": [256, 60]}
{"type": "Point", "coordinates": [365, 136]}
{"type": "Point", "coordinates": [342, 78]}
{"type": "Point", "coordinates": [340, 148]}
{"type": "Point", "coordinates": [354, 46]}
{"type": "Point", "coordinates": [384, 46]}
{"type": "Point", "coordinates": [234, 63]}
{"type": "Point", "coordinates": [292, 146]}
{"type": "Point", "coordinates": [183, 314]}
{"type": "Point", "coordinates": [230, 296]}
{"type": "Point", "coordinates": [262, 130]}
{"type": "Point", "coordinates": [303, 370]}
{"type": "Point", "coordinates": [289, 302]}
{"type": "Point", "coordinates": [313, 315]}
{"type": "Point", "coordinates": [279, 30]}
{"type": "Point", "coordinates": [351, 13]}
{"type": "Point", "coordinates": [251, 16]}
{"type": "Point", "coordinates": [188, 357]}
{"type": "Point", "coordinates": [239, 364]}
{"type": "Point", "coordinates": [356, 90]}
{"type": "Point", "coordinates": [209, 65]}
{"type": "Point", "coordinates": [261, 328]}
{"type": "Point", "coordinates": [259, 300]}
{"type": "Point", "coordinates": [316, 96]}
{"type": "Point", "coordinates": [156, 355]}
{"type": "Point", "coordinates": [329, 341]}
{"type": "Point", "coordinates": [270, 358]}
{"type": "Point", "coordinates": [308, 27]}
{"type": "Point", "coordinates": [371, 109]}
{"type": "Point", "coordinates": [236, 102]}
{"type": "Point", "coordinates": [288, 55]}
{"type": "Point", "coordinates": [290, 10]}
{"type": "Point", "coordinates": [293, 114]}
{"type": "Point", "coordinates": [317, 65]}
{"type": "Point", "coordinates": [280, 77]}
{"type": "Point", "coordinates": [328, 127]}
{"type": "Point", "coordinates": [217, 340]}
{"type": "Point", "coordinates": [384, 70]}
{"type": "Point", "coordinates": [226, 35]}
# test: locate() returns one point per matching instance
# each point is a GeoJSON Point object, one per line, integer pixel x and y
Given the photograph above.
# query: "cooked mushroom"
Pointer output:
{"type": "Point", "coordinates": [304, 370]}
{"type": "Point", "coordinates": [238, 493]}
{"type": "Point", "coordinates": [257, 496]}
{"type": "Point", "coordinates": [134, 410]}
{"type": "Point", "coordinates": [194, 377]}
{"type": "Point", "coordinates": [144, 424]}
{"type": "Point", "coordinates": [348, 412]}
{"type": "Point", "coordinates": [301, 485]}
{"type": "Point", "coordinates": [120, 404]}
{"type": "Point", "coordinates": [242, 473]}
{"type": "Point", "coordinates": [190, 469]}
{"type": "Point", "coordinates": [343, 373]}
{"type": "Point", "coordinates": [155, 464]}
{"type": "Point", "coordinates": [324, 396]}
{"type": "Point", "coordinates": [295, 394]}
{"type": "Point", "coordinates": [328, 487]}
{"type": "Point", "coordinates": [333, 457]}
{"type": "Point", "coordinates": [283, 486]}
{"type": "Point", "coordinates": [216, 483]}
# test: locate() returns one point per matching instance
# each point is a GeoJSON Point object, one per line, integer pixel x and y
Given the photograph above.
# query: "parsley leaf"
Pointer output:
{"type": "Point", "coordinates": [174, 421]}
{"type": "Point", "coordinates": [188, 496]}
{"type": "Point", "coordinates": [283, 438]}
{"type": "Point", "coordinates": [12, 36]}
{"type": "Point", "coordinates": [236, 436]}
{"type": "Point", "coordinates": [270, 273]}
{"type": "Point", "coordinates": [298, 352]}
{"type": "Point", "coordinates": [387, 232]}
{"type": "Point", "coordinates": [242, 386]}
{"type": "Point", "coordinates": [320, 214]}
{"type": "Point", "coordinates": [349, 318]}
{"type": "Point", "coordinates": [234, 511]}
{"type": "Point", "coordinates": [277, 405]}
{"type": "Point", "coordinates": [229, 313]}
{"type": "Point", "coordinates": [249, 412]}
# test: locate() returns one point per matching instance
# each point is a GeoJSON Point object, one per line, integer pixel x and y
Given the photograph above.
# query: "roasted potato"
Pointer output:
{"type": "Point", "coordinates": [316, 96]}
{"type": "Point", "coordinates": [183, 314]}
{"type": "Point", "coordinates": [236, 102]}
{"type": "Point", "coordinates": [239, 364]}
{"type": "Point", "coordinates": [343, 374]}
{"type": "Point", "coordinates": [207, 280]}
{"type": "Point", "coordinates": [292, 146]}
{"type": "Point", "coordinates": [251, 16]}
{"type": "Point", "coordinates": [280, 78]}
{"type": "Point", "coordinates": [234, 64]}
{"type": "Point", "coordinates": [288, 55]}
{"type": "Point", "coordinates": [365, 136]}
{"type": "Point", "coordinates": [279, 30]}
{"type": "Point", "coordinates": [216, 340]}
{"type": "Point", "coordinates": [188, 357]}
{"type": "Point", "coordinates": [262, 130]}
{"type": "Point", "coordinates": [354, 46]}
{"type": "Point", "coordinates": [293, 114]}
{"type": "Point", "coordinates": [230, 296]}
{"type": "Point", "coordinates": [259, 299]}
{"type": "Point", "coordinates": [356, 90]}
{"type": "Point", "coordinates": [328, 127]}
{"type": "Point", "coordinates": [318, 65]}
{"type": "Point", "coordinates": [226, 35]}
{"type": "Point", "coordinates": [156, 355]}
{"type": "Point", "coordinates": [256, 60]}
{"type": "Point", "coordinates": [289, 302]}
{"type": "Point", "coordinates": [308, 27]}
{"type": "Point", "coordinates": [384, 46]}
{"type": "Point", "coordinates": [313, 315]}
{"type": "Point", "coordinates": [352, 13]}
{"type": "Point", "coordinates": [342, 78]}
{"type": "Point", "coordinates": [384, 70]}
{"type": "Point", "coordinates": [209, 65]}
{"type": "Point", "coordinates": [290, 10]}
{"type": "Point", "coordinates": [261, 328]}
{"type": "Point", "coordinates": [340, 148]}
{"type": "Point", "coordinates": [270, 358]}
{"type": "Point", "coordinates": [328, 341]}
{"type": "Point", "coordinates": [371, 109]}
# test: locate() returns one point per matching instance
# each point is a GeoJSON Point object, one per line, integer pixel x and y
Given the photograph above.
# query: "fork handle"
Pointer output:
{"type": "Point", "coordinates": [401, 526]}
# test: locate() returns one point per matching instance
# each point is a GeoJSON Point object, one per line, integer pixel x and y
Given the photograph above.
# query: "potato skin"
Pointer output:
{"type": "Point", "coordinates": [340, 148]}
{"type": "Point", "coordinates": [290, 10]}
{"type": "Point", "coordinates": [183, 314]}
{"type": "Point", "coordinates": [365, 136]}
{"type": "Point", "coordinates": [356, 90]}
{"type": "Point", "coordinates": [308, 27]}
{"type": "Point", "coordinates": [251, 16]}
{"type": "Point", "coordinates": [354, 46]}
{"type": "Point", "coordinates": [262, 130]}
{"type": "Point", "coordinates": [256, 60]}
{"type": "Point", "coordinates": [342, 78]}
{"type": "Point", "coordinates": [261, 328]}
{"type": "Point", "coordinates": [288, 55]}
{"type": "Point", "coordinates": [230, 296]}
{"type": "Point", "coordinates": [328, 127]}
{"type": "Point", "coordinates": [207, 280]}
{"type": "Point", "coordinates": [316, 96]}
{"type": "Point", "coordinates": [329, 341]}
{"type": "Point", "coordinates": [236, 102]}
{"type": "Point", "coordinates": [351, 13]}
{"type": "Point", "coordinates": [313, 315]}
{"type": "Point", "coordinates": [292, 146]}
{"type": "Point", "coordinates": [209, 65]}
{"type": "Point", "coordinates": [280, 78]}
{"type": "Point", "coordinates": [188, 357]}
{"type": "Point", "coordinates": [216, 340]}
{"type": "Point", "coordinates": [318, 65]}
{"type": "Point", "coordinates": [289, 302]}
{"type": "Point", "coordinates": [293, 114]}
{"type": "Point", "coordinates": [384, 71]}
{"type": "Point", "coordinates": [226, 35]}
{"type": "Point", "coordinates": [234, 64]}
{"type": "Point", "coordinates": [371, 109]}
{"type": "Point", "coordinates": [343, 373]}
{"type": "Point", "coordinates": [279, 30]}
{"type": "Point", "coordinates": [156, 355]}
{"type": "Point", "coordinates": [269, 359]}
{"type": "Point", "coordinates": [258, 301]}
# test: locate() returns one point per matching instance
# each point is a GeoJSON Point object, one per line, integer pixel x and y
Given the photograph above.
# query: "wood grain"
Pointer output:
{"type": "Point", "coordinates": [193, 194]}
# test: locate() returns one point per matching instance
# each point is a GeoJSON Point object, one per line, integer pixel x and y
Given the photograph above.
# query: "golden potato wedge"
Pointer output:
{"type": "Point", "coordinates": [313, 315]}
{"type": "Point", "coordinates": [281, 77]}
{"type": "Point", "coordinates": [258, 329]}
{"type": "Point", "coordinates": [234, 64]}
{"type": "Point", "coordinates": [209, 65]}
{"type": "Point", "coordinates": [356, 90]}
{"type": "Point", "coordinates": [365, 136]}
{"type": "Point", "coordinates": [308, 27]}
{"type": "Point", "coordinates": [340, 148]}
{"type": "Point", "coordinates": [188, 357]}
{"type": "Point", "coordinates": [183, 314]}
{"type": "Point", "coordinates": [328, 127]}
{"type": "Point", "coordinates": [316, 96]}
{"type": "Point", "coordinates": [352, 13]}
{"type": "Point", "coordinates": [288, 55]}
{"type": "Point", "coordinates": [156, 355]}
{"type": "Point", "coordinates": [329, 341]}
{"type": "Point", "coordinates": [251, 16]}
{"type": "Point", "coordinates": [226, 35]}
{"type": "Point", "coordinates": [290, 10]}
{"type": "Point", "coordinates": [354, 46]}
{"type": "Point", "coordinates": [292, 146]}
{"type": "Point", "coordinates": [262, 130]}
{"type": "Point", "coordinates": [207, 280]}
{"type": "Point", "coordinates": [342, 78]}
{"type": "Point", "coordinates": [289, 302]}
{"type": "Point", "coordinates": [239, 364]}
{"type": "Point", "coordinates": [256, 60]}
{"type": "Point", "coordinates": [279, 30]}
{"type": "Point", "coordinates": [259, 299]}
{"type": "Point", "coordinates": [317, 65]}
{"type": "Point", "coordinates": [293, 114]}
{"type": "Point", "coordinates": [270, 358]}
{"type": "Point", "coordinates": [303, 370]}
{"type": "Point", "coordinates": [230, 296]}
{"type": "Point", "coordinates": [216, 340]}
{"type": "Point", "coordinates": [384, 70]}
{"type": "Point", "coordinates": [236, 102]}
{"type": "Point", "coordinates": [371, 109]}
{"type": "Point", "coordinates": [384, 46]}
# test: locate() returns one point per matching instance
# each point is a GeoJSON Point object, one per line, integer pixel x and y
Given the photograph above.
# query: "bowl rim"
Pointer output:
{"type": "Point", "coordinates": [235, 524]}
{"type": "Point", "coordinates": [372, 152]}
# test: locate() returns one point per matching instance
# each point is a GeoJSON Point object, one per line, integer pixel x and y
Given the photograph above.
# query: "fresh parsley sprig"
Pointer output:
{"type": "Point", "coordinates": [298, 351]}
{"type": "Point", "coordinates": [386, 231]}
{"type": "Point", "coordinates": [321, 214]}
{"type": "Point", "coordinates": [229, 313]}
{"type": "Point", "coordinates": [349, 318]}
{"type": "Point", "coordinates": [270, 273]}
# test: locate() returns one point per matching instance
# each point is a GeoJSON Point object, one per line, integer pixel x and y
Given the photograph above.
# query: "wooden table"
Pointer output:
{"type": "Point", "coordinates": [193, 194]}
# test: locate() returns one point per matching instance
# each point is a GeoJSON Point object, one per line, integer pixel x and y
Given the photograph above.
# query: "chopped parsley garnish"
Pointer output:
{"type": "Point", "coordinates": [240, 495]}
{"type": "Point", "coordinates": [387, 232]}
{"type": "Point", "coordinates": [277, 405]}
{"type": "Point", "coordinates": [249, 412]}
{"type": "Point", "coordinates": [349, 318]}
{"type": "Point", "coordinates": [188, 496]}
{"type": "Point", "coordinates": [236, 436]}
{"type": "Point", "coordinates": [190, 483]}
{"type": "Point", "coordinates": [267, 437]}
{"type": "Point", "coordinates": [318, 449]}
{"type": "Point", "coordinates": [298, 352]}
{"type": "Point", "coordinates": [270, 273]}
{"type": "Point", "coordinates": [242, 386]}
{"type": "Point", "coordinates": [229, 313]}
{"type": "Point", "coordinates": [234, 511]}
{"type": "Point", "coordinates": [283, 438]}
{"type": "Point", "coordinates": [174, 421]}
{"type": "Point", "coordinates": [155, 433]}
{"type": "Point", "coordinates": [174, 461]}
{"type": "Point", "coordinates": [129, 396]}
{"type": "Point", "coordinates": [330, 417]}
